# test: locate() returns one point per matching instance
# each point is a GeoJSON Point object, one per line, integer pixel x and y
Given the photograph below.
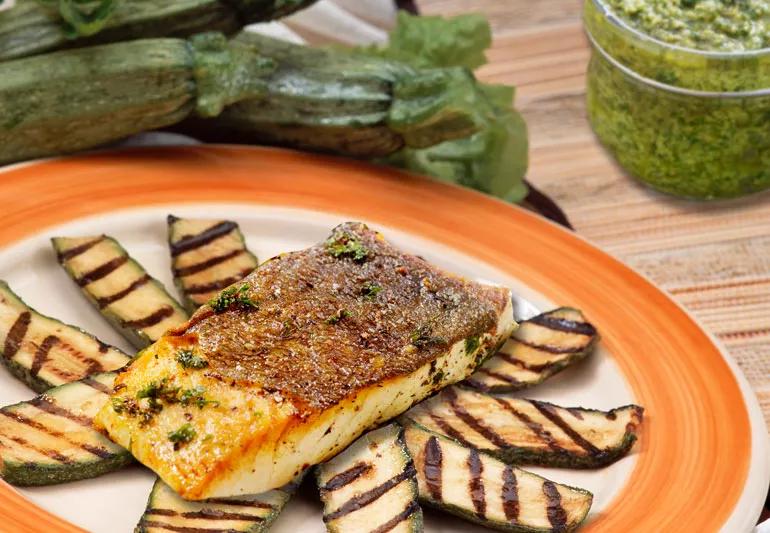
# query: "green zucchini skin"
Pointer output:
{"type": "Point", "coordinates": [134, 303]}
{"type": "Point", "coordinates": [73, 100]}
{"type": "Point", "coordinates": [30, 28]}
{"type": "Point", "coordinates": [50, 440]}
{"type": "Point", "coordinates": [379, 464]}
{"type": "Point", "coordinates": [167, 511]}
{"type": "Point", "coordinates": [44, 352]}
{"type": "Point", "coordinates": [206, 257]}
{"type": "Point", "coordinates": [460, 480]}
{"type": "Point", "coordinates": [542, 347]}
{"type": "Point", "coordinates": [336, 102]}
{"type": "Point", "coordinates": [520, 431]}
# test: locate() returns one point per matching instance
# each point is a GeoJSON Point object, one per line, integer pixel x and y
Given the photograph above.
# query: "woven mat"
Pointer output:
{"type": "Point", "coordinates": [712, 258]}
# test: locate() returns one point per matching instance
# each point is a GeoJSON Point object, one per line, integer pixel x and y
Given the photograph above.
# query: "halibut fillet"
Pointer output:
{"type": "Point", "coordinates": [285, 369]}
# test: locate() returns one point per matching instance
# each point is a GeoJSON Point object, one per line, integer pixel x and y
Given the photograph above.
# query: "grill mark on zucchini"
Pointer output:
{"type": "Point", "coordinates": [240, 503]}
{"type": "Point", "coordinates": [56, 443]}
{"type": "Point", "coordinates": [530, 431]}
{"type": "Point", "coordinates": [433, 468]}
{"type": "Point", "coordinates": [472, 422]}
{"type": "Point", "coordinates": [101, 387]}
{"type": "Point", "coordinates": [191, 242]}
{"type": "Point", "coordinates": [564, 324]}
{"type": "Point", "coordinates": [101, 271]}
{"type": "Point", "coordinates": [47, 404]}
{"type": "Point", "coordinates": [16, 335]}
{"type": "Point", "coordinates": [203, 265]}
{"type": "Point", "coordinates": [21, 419]}
{"type": "Point", "coordinates": [502, 377]}
{"type": "Point", "coordinates": [41, 354]}
{"type": "Point", "coordinates": [541, 347]}
{"type": "Point", "coordinates": [365, 498]}
{"type": "Point", "coordinates": [120, 288]}
{"type": "Point", "coordinates": [202, 271]}
{"type": "Point", "coordinates": [107, 300]}
{"type": "Point", "coordinates": [523, 364]}
{"type": "Point", "coordinates": [510, 494]}
{"type": "Point", "coordinates": [208, 514]}
{"type": "Point", "coordinates": [218, 284]}
{"type": "Point", "coordinates": [52, 454]}
{"type": "Point", "coordinates": [476, 484]}
{"type": "Point", "coordinates": [184, 529]}
{"type": "Point", "coordinates": [411, 508]}
{"type": "Point", "coordinates": [77, 250]}
{"type": "Point", "coordinates": [547, 507]}
{"type": "Point", "coordinates": [150, 320]}
{"type": "Point", "coordinates": [536, 428]}
{"type": "Point", "coordinates": [556, 350]}
{"type": "Point", "coordinates": [371, 486]}
{"type": "Point", "coordinates": [449, 430]}
{"type": "Point", "coordinates": [167, 511]}
{"type": "Point", "coordinates": [346, 477]}
{"type": "Point", "coordinates": [557, 516]}
{"type": "Point", "coordinates": [548, 412]}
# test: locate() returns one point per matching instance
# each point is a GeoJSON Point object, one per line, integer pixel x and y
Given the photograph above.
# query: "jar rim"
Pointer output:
{"type": "Point", "coordinates": [610, 15]}
{"type": "Point", "coordinates": [672, 88]}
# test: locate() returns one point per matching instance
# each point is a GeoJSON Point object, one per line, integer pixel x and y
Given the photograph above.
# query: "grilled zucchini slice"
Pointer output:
{"type": "Point", "coordinates": [50, 439]}
{"type": "Point", "coordinates": [482, 489]}
{"type": "Point", "coordinates": [44, 352]}
{"type": "Point", "coordinates": [135, 303]}
{"type": "Point", "coordinates": [371, 486]}
{"type": "Point", "coordinates": [541, 347]}
{"type": "Point", "coordinates": [529, 431]}
{"type": "Point", "coordinates": [206, 257]}
{"type": "Point", "coordinates": [167, 511]}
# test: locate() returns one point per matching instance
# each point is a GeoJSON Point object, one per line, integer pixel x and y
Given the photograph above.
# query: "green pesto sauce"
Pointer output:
{"type": "Point", "coordinates": [714, 25]}
{"type": "Point", "coordinates": [703, 148]}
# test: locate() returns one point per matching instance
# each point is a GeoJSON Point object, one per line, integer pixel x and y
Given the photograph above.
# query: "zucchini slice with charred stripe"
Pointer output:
{"type": "Point", "coordinates": [167, 511]}
{"type": "Point", "coordinates": [529, 431]}
{"type": "Point", "coordinates": [44, 352]}
{"type": "Point", "coordinates": [206, 257]}
{"type": "Point", "coordinates": [371, 486]}
{"type": "Point", "coordinates": [541, 347]}
{"type": "Point", "coordinates": [482, 489]}
{"type": "Point", "coordinates": [50, 439]}
{"type": "Point", "coordinates": [136, 304]}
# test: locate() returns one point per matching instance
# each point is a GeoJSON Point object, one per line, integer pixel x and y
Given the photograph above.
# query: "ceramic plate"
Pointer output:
{"type": "Point", "coordinates": [701, 463]}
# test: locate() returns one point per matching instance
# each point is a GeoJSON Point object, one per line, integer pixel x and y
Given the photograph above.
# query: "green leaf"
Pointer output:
{"type": "Point", "coordinates": [493, 160]}
{"type": "Point", "coordinates": [493, 157]}
{"type": "Point", "coordinates": [424, 41]}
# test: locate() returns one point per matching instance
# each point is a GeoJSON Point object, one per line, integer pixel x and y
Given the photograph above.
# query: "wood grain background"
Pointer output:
{"type": "Point", "coordinates": [714, 258]}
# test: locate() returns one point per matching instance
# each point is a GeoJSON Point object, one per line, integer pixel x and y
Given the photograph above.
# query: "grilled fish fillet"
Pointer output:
{"type": "Point", "coordinates": [285, 369]}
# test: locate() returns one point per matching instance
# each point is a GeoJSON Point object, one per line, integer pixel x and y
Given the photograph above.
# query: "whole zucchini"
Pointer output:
{"type": "Point", "coordinates": [334, 101]}
{"type": "Point", "coordinates": [76, 99]}
{"type": "Point", "coordinates": [31, 28]}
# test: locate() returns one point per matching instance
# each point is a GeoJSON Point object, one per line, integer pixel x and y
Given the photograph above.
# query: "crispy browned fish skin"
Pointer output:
{"type": "Point", "coordinates": [318, 320]}
{"type": "Point", "coordinates": [334, 339]}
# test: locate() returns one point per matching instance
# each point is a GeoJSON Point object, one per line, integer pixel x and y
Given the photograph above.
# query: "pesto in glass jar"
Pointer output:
{"type": "Point", "coordinates": [717, 25]}
{"type": "Point", "coordinates": [682, 101]}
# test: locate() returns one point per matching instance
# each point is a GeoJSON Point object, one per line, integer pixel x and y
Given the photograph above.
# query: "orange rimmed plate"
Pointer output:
{"type": "Point", "coordinates": [702, 460]}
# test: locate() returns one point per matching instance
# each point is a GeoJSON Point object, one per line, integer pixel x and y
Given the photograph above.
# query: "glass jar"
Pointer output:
{"type": "Point", "coordinates": [687, 122]}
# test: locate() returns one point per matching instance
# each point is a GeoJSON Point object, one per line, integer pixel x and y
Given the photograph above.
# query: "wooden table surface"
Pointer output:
{"type": "Point", "coordinates": [714, 258]}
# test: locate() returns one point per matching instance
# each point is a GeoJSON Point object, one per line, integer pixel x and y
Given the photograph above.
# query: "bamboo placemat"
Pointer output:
{"type": "Point", "coordinates": [714, 258]}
